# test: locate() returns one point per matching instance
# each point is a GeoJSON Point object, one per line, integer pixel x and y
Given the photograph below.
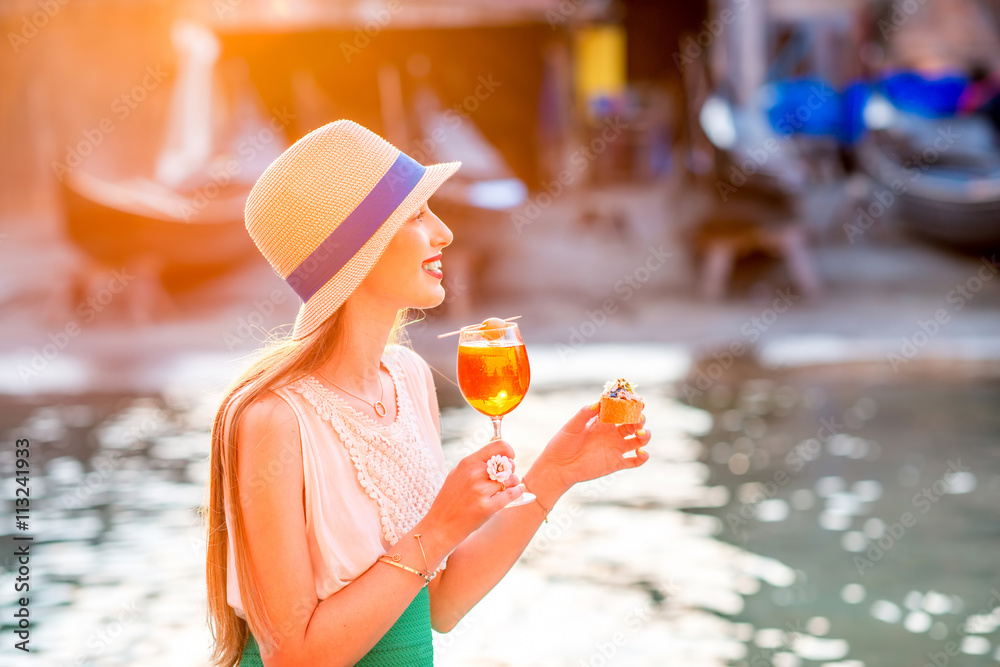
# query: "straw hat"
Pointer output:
{"type": "Point", "coordinates": [323, 212]}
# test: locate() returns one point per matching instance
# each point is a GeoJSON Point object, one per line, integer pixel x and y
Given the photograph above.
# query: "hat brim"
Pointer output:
{"type": "Point", "coordinates": [335, 291]}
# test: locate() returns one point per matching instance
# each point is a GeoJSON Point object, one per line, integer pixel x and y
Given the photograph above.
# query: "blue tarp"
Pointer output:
{"type": "Point", "coordinates": [813, 107]}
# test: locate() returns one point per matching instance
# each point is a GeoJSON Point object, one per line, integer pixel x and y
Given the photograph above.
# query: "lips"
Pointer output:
{"type": "Point", "coordinates": [433, 266]}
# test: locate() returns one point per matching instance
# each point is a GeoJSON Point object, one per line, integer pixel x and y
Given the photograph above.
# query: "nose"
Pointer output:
{"type": "Point", "coordinates": [440, 235]}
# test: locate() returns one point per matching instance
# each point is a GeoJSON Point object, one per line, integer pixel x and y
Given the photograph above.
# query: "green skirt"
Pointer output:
{"type": "Point", "coordinates": [406, 644]}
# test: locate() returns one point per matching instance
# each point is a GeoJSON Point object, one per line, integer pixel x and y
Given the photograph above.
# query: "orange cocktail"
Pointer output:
{"type": "Point", "coordinates": [493, 375]}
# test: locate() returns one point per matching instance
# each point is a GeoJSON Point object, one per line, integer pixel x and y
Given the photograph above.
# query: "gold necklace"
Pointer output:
{"type": "Point", "coordinates": [378, 406]}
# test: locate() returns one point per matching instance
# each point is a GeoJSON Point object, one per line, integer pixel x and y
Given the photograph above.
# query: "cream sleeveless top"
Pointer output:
{"type": "Point", "coordinates": [366, 484]}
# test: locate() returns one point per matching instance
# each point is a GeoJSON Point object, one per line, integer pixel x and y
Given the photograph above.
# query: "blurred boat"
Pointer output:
{"type": "Point", "coordinates": [186, 217]}
{"type": "Point", "coordinates": [119, 221]}
{"type": "Point", "coordinates": [945, 172]}
{"type": "Point", "coordinates": [892, 106]}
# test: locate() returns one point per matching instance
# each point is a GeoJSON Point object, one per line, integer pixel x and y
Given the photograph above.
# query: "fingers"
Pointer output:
{"type": "Point", "coordinates": [625, 444]}
{"type": "Point", "coordinates": [495, 485]}
{"type": "Point", "coordinates": [578, 422]}
{"type": "Point", "coordinates": [494, 448]}
{"type": "Point", "coordinates": [629, 429]}
{"type": "Point", "coordinates": [636, 444]}
{"type": "Point", "coordinates": [638, 441]}
{"type": "Point", "coordinates": [510, 493]}
{"type": "Point", "coordinates": [641, 456]}
{"type": "Point", "coordinates": [479, 471]}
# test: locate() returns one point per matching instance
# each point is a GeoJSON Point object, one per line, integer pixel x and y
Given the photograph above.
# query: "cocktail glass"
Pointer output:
{"type": "Point", "coordinates": [493, 374]}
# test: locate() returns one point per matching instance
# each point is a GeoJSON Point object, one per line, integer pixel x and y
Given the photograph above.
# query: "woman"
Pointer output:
{"type": "Point", "coordinates": [335, 536]}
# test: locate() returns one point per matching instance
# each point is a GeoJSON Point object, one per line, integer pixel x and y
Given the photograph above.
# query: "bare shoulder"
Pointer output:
{"type": "Point", "coordinates": [268, 431]}
{"type": "Point", "coordinates": [267, 416]}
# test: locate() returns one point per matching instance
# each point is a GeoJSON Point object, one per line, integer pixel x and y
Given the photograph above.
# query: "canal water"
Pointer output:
{"type": "Point", "coordinates": [882, 497]}
{"type": "Point", "coordinates": [794, 517]}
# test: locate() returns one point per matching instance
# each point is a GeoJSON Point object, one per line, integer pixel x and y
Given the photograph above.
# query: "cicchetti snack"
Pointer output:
{"type": "Point", "coordinates": [620, 404]}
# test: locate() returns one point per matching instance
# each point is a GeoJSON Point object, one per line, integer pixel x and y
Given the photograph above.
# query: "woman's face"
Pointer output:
{"type": "Point", "coordinates": [409, 273]}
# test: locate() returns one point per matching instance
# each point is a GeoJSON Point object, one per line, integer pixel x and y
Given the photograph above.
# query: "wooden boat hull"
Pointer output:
{"type": "Point", "coordinates": [213, 241]}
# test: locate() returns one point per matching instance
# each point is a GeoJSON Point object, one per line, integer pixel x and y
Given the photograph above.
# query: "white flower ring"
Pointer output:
{"type": "Point", "coordinates": [499, 468]}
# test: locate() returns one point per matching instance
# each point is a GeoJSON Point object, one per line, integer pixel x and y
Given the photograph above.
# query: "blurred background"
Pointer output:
{"type": "Point", "coordinates": [780, 219]}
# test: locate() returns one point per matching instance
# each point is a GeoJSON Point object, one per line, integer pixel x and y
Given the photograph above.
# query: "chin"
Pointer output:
{"type": "Point", "coordinates": [437, 300]}
{"type": "Point", "coordinates": [429, 300]}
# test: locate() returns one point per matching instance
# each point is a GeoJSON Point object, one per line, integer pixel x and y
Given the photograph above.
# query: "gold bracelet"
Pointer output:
{"type": "Point", "coordinates": [394, 560]}
{"type": "Point", "coordinates": [544, 509]}
{"type": "Point", "coordinates": [427, 570]}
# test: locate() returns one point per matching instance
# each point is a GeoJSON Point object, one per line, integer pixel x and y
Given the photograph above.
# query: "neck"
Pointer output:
{"type": "Point", "coordinates": [354, 364]}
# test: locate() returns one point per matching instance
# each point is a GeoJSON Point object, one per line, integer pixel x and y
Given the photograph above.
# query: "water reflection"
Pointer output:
{"type": "Point", "coordinates": [753, 536]}
{"type": "Point", "coordinates": [892, 519]}
{"type": "Point", "coordinates": [118, 557]}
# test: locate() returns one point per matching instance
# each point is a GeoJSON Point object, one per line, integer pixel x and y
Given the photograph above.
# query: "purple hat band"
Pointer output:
{"type": "Point", "coordinates": [344, 242]}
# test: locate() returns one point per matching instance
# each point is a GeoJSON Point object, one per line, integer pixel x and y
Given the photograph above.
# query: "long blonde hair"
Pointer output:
{"type": "Point", "coordinates": [280, 360]}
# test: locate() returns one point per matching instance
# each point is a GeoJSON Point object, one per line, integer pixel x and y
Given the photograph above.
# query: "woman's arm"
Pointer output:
{"type": "Point", "coordinates": [583, 449]}
{"type": "Point", "coordinates": [483, 559]}
{"type": "Point", "coordinates": [342, 628]}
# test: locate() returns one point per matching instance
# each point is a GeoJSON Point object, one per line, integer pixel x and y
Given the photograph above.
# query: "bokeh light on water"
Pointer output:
{"type": "Point", "coordinates": [882, 499]}
{"type": "Point", "coordinates": [752, 536]}
{"type": "Point", "coordinates": [118, 557]}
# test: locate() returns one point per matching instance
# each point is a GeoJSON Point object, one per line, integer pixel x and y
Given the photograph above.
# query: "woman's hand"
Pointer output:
{"type": "Point", "coordinates": [468, 497]}
{"type": "Point", "coordinates": [585, 449]}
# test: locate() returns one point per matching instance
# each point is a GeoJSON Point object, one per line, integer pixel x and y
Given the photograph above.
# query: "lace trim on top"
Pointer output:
{"type": "Point", "coordinates": [394, 465]}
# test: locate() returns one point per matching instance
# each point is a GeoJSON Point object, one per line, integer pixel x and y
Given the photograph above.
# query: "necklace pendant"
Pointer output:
{"type": "Point", "coordinates": [379, 408]}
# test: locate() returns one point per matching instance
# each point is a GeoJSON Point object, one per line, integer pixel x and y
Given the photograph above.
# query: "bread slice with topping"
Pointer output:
{"type": "Point", "coordinates": [620, 404]}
